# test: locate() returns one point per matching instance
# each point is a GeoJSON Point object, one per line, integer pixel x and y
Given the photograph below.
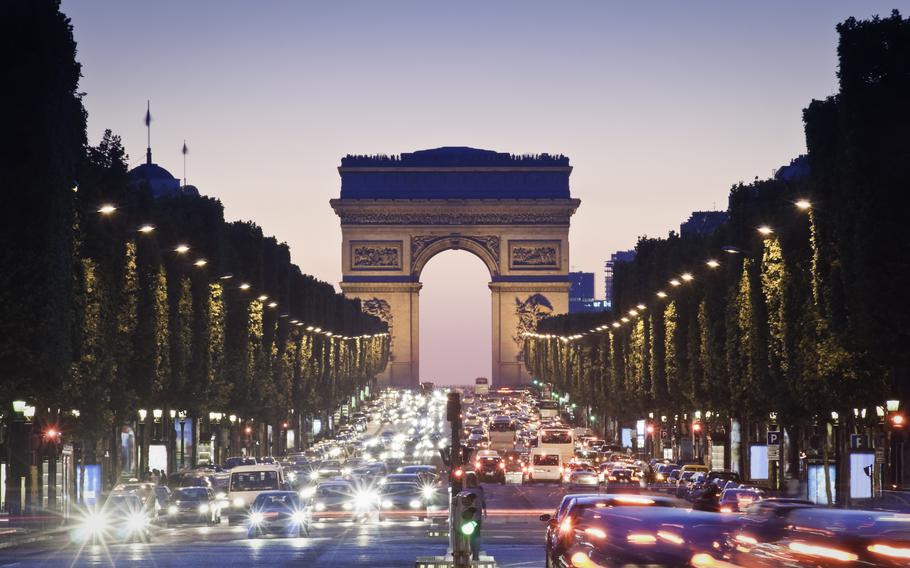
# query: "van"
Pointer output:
{"type": "Point", "coordinates": [247, 482]}
{"type": "Point", "coordinates": [544, 465]}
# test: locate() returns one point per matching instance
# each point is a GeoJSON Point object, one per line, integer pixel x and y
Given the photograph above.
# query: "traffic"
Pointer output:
{"type": "Point", "coordinates": [576, 499]}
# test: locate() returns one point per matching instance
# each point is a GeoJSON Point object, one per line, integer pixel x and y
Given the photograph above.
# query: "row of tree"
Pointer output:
{"type": "Point", "coordinates": [101, 311]}
{"type": "Point", "coordinates": [802, 313]}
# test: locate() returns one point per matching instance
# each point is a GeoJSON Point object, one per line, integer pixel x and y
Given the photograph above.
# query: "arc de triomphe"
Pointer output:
{"type": "Point", "coordinates": [510, 211]}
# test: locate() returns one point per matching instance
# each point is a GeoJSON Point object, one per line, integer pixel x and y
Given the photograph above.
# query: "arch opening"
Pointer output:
{"type": "Point", "coordinates": [455, 318]}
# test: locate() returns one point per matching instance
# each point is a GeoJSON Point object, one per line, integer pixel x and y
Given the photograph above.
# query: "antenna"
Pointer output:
{"type": "Point", "coordinates": [185, 151]}
{"type": "Point", "coordinates": [148, 126]}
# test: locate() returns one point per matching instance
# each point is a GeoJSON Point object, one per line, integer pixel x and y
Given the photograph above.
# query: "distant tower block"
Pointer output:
{"type": "Point", "coordinates": [512, 212]}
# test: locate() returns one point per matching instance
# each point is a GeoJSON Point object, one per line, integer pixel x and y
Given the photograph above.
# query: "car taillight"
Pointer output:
{"type": "Point", "coordinates": [477, 465]}
{"type": "Point", "coordinates": [612, 478]}
{"type": "Point", "coordinates": [502, 465]}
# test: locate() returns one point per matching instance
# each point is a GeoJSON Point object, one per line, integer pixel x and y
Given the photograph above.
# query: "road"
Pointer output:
{"type": "Point", "coordinates": [512, 534]}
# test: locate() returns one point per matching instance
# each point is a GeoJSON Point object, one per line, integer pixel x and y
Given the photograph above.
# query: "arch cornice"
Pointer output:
{"type": "Point", "coordinates": [425, 247]}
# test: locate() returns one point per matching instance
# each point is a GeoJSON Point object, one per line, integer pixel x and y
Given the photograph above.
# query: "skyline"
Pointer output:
{"type": "Point", "coordinates": [650, 105]}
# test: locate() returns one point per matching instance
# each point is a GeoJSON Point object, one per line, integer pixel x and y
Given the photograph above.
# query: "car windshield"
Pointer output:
{"type": "Point", "coordinates": [400, 488]}
{"type": "Point", "coordinates": [194, 494]}
{"type": "Point", "coordinates": [333, 490]}
{"type": "Point", "coordinates": [556, 437]}
{"type": "Point", "coordinates": [288, 499]}
{"type": "Point", "coordinates": [546, 460]}
{"type": "Point", "coordinates": [254, 480]}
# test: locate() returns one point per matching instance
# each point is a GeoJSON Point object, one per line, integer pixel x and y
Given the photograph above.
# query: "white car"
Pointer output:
{"type": "Point", "coordinates": [247, 482]}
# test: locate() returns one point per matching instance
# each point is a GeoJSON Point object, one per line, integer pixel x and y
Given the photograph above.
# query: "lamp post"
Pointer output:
{"type": "Point", "coordinates": [182, 439]}
{"type": "Point", "coordinates": [141, 461]}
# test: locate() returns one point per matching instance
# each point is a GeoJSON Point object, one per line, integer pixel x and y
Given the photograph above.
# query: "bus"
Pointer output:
{"type": "Point", "coordinates": [481, 386]}
{"type": "Point", "coordinates": [557, 441]}
{"type": "Point", "coordinates": [502, 434]}
{"type": "Point", "coordinates": [548, 409]}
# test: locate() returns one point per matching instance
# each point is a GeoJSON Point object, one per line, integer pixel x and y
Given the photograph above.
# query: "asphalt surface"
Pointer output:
{"type": "Point", "coordinates": [512, 534]}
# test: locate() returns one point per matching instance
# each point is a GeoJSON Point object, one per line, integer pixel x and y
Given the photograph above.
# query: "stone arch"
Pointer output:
{"type": "Point", "coordinates": [424, 248]}
{"type": "Point", "coordinates": [512, 212]}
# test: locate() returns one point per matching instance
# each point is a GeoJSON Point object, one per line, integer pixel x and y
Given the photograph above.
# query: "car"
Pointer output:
{"type": "Point", "coordinates": [124, 517]}
{"type": "Point", "coordinates": [403, 478]}
{"type": "Point", "coordinates": [735, 500]}
{"type": "Point", "coordinates": [233, 462]}
{"type": "Point", "coordinates": [647, 536]}
{"type": "Point", "coordinates": [399, 499]}
{"type": "Point", "coordinates": [558, 536]}
{"type": "Point", "coordinates": [621, 479]}
{"type": "Point", "coordinates": [192, 505]}
{"type": "Point", "coordinates": [819, 536]}
{"type": "Point", "coordinates": [545, 466]}
{"type": "Point", "coordinates": [682, 484]}
{"type": "Point", "coordinates": [247, 482]}
{"type": "Point", "coordinates": [583, 477]}
{"type": "Point", "coordinates": [335, 500]}
{"type": "Point", "coordinates": [280, 512]}
{"type": "Point", "coordinates": [490, 469]}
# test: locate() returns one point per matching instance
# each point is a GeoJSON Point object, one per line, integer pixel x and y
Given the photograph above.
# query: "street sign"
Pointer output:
{"type": "Point", "coordinates": [774, 452]}
{"type": "Point", "coordinates": [859, 442]}
{"type": "Point", "coordinates": [774, 438]}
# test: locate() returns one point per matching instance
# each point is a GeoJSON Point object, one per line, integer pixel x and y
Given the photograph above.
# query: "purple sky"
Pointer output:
{"type": "Point", "coordinates": [661, 107]}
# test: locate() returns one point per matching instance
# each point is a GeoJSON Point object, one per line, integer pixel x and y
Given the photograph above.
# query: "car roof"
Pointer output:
{"type": "Point", "coordinates": [257, 467]}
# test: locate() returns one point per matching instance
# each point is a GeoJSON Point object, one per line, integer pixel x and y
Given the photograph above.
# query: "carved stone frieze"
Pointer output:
{"type": "Point", "coordinates": [419, 243]}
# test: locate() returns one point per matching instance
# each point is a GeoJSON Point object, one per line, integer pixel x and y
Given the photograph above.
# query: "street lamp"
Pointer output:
{"type": "Point", "coordinates": [107, 209]}
{"type": "Point", "coordinates": [18, 406]}
{"type": "Point", "coordinates": [892, 405]}
{"type": "Point", "coordinates": [200, 263]}
{"type": "Point", "coordinates": [146, 229]}
{"type": "Point", "coordinates": [765, 230]}
{"type": "Point", "coordinates": [182, 249]}
{"type": "Point", "coordinates": [712, 263]}
{"type": "Point", "coordinates": [803, 204]}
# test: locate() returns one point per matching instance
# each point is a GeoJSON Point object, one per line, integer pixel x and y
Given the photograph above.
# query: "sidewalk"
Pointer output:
{"type": "Point", "coordinates": [11, 537]}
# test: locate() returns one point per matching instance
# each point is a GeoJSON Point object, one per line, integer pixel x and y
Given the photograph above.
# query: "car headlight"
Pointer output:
{"type": "Point", "coordinates": [95, 523]}
{"type": "Point", "coordinates": [387, 503]}
{"type": "Point", "coordinates": [320, 506]}
{"type": "Point", "coordinates": [238, 502]}
{"type": "Point", "coordinates": [347, 506]}
{"type": "Point", "coordinates": [136, 522]}
{"type": "Point", "coordinates": [307, 492]}
{"type": "Point", "coordinates": [204, 508]}
{"type": "Point", "coordinates": [172, 510]}
{"type": "Point", "coordinates": [292, 476]}
{"type": "Point", "coordinates": [257, 518]}
{"type": "Point", "coordinates": [428, 492]}
{"type": "Point", "coordinates": [299, 517]}
{"type": "Point", "coordinates": [314, 475]}
{"type": "Point", "coordinates": [221, 495]}
{"type": "Point", "coordinates": [416, 504]}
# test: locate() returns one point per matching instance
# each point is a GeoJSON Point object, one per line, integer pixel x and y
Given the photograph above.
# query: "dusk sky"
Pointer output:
{"type": "Point", "coordinates": [661, 107]}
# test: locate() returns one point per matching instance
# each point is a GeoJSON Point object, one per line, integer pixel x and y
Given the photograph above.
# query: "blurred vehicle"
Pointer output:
{"type": "Point", "coordinates": [647, 536]}
{"type": "Point", "coordinates": [246, 483]}
{"type": "Point", "coordinates": [123, 518]}
{"type": "Point", "coordinates": [278, 512]}
{"type": "Point", "coordinates": [794, 535]}
{"type": "Point", "coordinates": [734, 500]}
{"type": "Point", "coordinates": [334, 500]}
{"type": "Point", "coordinates": [402, 499]}
{"type": "Point", "coordinates": [559, 535]}
{"type": "Point", "coordinates": [192, 505]}
{"type": "Point", "coordinates": [490, 468]}
{"type": "Point", "coordinates": [427, 473]}
{"type": "Point", "coordinates": [544, 466]}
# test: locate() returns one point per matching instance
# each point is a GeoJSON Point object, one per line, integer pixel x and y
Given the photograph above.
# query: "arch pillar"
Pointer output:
{"type": "Point", "coordinates": [397, 303]}
{"type": "Point", "coordinates": [517, 305]}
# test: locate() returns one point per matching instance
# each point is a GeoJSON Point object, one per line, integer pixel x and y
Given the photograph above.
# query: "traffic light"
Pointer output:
{"type": "Point", "coordinates": [467, 514]}
{"type": "Point", "coordinates": [456, 480]}
{"type": "Point", "coordinates": [897, 421]}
